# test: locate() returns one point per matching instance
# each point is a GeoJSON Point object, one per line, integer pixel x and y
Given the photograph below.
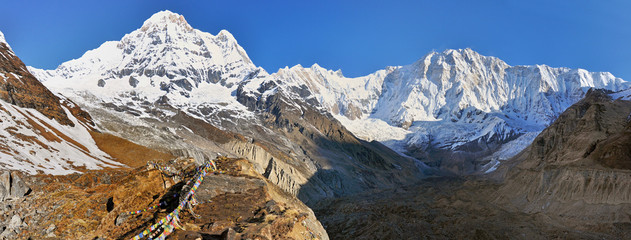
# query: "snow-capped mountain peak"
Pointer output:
{"type": "Point", "coordinates": [164, 19]}
{"type": "Point", "coordinates": [164, 57]}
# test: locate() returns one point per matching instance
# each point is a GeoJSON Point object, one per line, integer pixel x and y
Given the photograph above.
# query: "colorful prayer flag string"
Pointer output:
{"type": "Point", "coordinates": [148, 209]}
{"type": "Point", "coordinates": [170, 222]}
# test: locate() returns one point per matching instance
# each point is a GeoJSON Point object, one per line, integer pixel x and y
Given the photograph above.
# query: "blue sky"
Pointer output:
{"type": "Point", "coordinates": [358, 37]}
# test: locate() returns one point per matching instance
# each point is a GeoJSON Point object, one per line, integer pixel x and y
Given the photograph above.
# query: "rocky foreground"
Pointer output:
{"type": "Point", "coordinates": [233, 203]}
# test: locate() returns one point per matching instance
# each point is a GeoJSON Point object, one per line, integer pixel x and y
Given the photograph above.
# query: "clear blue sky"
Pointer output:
{"type": "Point", "coordinates": [358, 37]}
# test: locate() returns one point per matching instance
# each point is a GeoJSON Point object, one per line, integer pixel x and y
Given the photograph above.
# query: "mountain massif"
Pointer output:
{"type": "Point", "coordinates": [454, 110]}
{"type": "Point", "coordinates": [454, 145]}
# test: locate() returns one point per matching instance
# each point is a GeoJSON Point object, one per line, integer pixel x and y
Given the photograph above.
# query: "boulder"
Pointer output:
{"type": "Point", "coordinates": [15, 222]}
{"type": "Point", "coordinates": [18, 187]}
{"type": "Point", "coordinates": [51, 228]}
{"type": "Point", "coordinates": [120, 219]}
{"type": "Point", "coordinates": [12, 186]}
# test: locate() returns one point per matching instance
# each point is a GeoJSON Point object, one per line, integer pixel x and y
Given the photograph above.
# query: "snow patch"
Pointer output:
{"type": "Point", "coordinates": [622, 95]}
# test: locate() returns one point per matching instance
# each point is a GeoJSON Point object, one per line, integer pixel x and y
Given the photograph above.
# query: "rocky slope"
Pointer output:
{"type": "Point", "coordinates": [20, 88]}
{"type": "Point", "coordinates": [347, 165]}
{"type": "Point", "coordinates": [578, 168]}
{"type": "Point", "coordinates": [444, 208]}
{"type": "Point", "coordinates": [236, 203]}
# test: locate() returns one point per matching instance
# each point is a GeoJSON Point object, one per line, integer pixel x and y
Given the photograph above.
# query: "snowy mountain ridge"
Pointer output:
{"type": "Point", "coordinates": [166, 59]}
{"type": "Point", "coordinates": [440, 85]}
{"type": "Point", "coordinates": [455, 102]}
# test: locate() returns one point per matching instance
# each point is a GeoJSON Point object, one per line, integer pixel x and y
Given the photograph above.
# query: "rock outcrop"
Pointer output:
{"type": "Point", "coordinates": [346, 164]}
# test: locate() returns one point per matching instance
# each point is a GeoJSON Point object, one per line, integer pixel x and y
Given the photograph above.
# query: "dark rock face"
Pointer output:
{"type": "Point", "coordinates": [229, 234]}
{"type": "Point", "coordinates": [615, 151]}
{"type": "Point", "coordinates": [110, 204]}
{"type": "Point", "coordinates": [183, 83]}
{"type": "Point", "coordinates": [133, 82]}
{"type": "Point", "coordinates": [19, 87]}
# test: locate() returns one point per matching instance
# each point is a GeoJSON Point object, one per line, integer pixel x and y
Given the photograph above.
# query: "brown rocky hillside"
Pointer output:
{"type": "Point", "coordinates": [19, 87]}
{"type": "Point", "coordinates": [577, 169]}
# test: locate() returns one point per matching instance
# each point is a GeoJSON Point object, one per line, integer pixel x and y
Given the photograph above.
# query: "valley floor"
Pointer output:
{"type": "Point", "coordinates": [447, 208]}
